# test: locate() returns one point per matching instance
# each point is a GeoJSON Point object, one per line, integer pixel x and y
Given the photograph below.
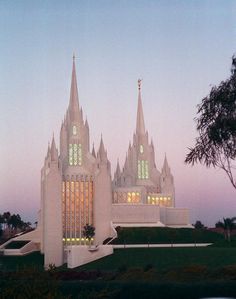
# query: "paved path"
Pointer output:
{"type": "Point", "coordinates": [120, 246]}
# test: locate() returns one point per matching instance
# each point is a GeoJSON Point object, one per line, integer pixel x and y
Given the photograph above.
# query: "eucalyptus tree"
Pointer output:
{"type": "Point", "coordinates": [216, 124]}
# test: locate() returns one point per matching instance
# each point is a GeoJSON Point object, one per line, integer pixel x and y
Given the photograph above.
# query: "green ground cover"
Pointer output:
{"type": "Point", "coordinates": [165, 258]}
{"type": "Point", "coordinates": [14, 263]}
{"type": "Point", "coordinates": [160, 273]}
{"type": "Point", "coordinates": [147, 290]}
{"type": "Point", "coordinates": [162, 259]}
{"type": "Point", "coordinates": [152, 235]}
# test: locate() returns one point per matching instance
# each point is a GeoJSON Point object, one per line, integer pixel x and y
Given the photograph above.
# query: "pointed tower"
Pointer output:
{"type": "Point", "coordinates": [74, 137]}
{"type": "Point", "coordinates": [81, 175]}
{"type": "Point", "coordinates": [74, 98]}
{"type": "Point", "coordinates": [167, 182]}
{"type": "Point", "coordinates": [140, 127]}
{"type": "Point", "coordinates": [93, 152]}
{"type": "Point", "coordinates": [102, 196]}
{"type": "Point", "coordinates": [117, 176]}
{"type": "Point", "coordinates": [51, 209]}
{"type": "Point", "coordinates": [77, 170]}
{"type": "Point", "coordinates": [140, 180]}
{"type": "Point", "coordinates": [139, 167]}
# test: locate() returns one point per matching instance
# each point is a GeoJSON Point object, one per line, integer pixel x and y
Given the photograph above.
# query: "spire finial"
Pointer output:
{"type": "Point", "coordinates": [74, 98]}
{"type": "Point", "coordinates": [139, 83]}
{"type": "Point", "coordinates": [140, 127]}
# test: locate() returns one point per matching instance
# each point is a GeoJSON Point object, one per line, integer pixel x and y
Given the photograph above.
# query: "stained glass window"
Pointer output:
{"type": "Point", "coordinates": [77, 200]}
{"type": "Point", "coordinates": [141, 149]}
{"type": "Point", "coordinates": [143, 172]}
{"type": "Point", "coordinates": [75, 154]}
{"type": "Point", "coordinates": [74, 130]}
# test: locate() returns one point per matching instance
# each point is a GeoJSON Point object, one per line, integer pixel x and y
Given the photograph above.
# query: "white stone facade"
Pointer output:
{"type": "Point", "coordinates": [77, 188]}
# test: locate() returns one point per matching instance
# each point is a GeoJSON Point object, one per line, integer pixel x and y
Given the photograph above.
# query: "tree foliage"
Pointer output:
{"type": "Point", "coordinates": [216, 124]}
{"type": "Point", "coordinates": [228, 225]}
{"type": "Point", "coordinates": [13, 222]}
{"type": "Point", "coordinates": [89, 232]}
{"type": "Point", "coordinates": [199, 225]}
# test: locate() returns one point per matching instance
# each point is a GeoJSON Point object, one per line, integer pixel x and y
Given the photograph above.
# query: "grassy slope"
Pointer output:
{"type": "Point", "coordinates": [11, 263]}
{"type": "Point", "coordinates": [144, 235]}
{"type": "Point", "coordinates": [165, 258]}
{"type": "Point", "coordinates": [176, 274]}
{"type": "Point", "coordinates": [161, 258]}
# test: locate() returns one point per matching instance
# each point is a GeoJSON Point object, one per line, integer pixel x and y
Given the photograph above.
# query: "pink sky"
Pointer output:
{"type": "Point", "coordinates": [179, 48]}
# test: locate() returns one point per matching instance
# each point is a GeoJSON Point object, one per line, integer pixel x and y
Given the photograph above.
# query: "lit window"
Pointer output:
{"type": "Point", "coordinates": [143, 172]}
{"type": "Point", "coordinates": [141, 149]}
{"type": "Point", "coordinates": [74, 130]}
{"type": "Point", "coordinates": [75, 154]}
{"type": "Point", "coordinates": [75, 213]}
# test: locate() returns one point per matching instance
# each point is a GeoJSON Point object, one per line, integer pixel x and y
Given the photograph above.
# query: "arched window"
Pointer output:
{"type": "Point", "coordinates": [74, 130]}
{"type": "Point", "coordinates": [141, 150]}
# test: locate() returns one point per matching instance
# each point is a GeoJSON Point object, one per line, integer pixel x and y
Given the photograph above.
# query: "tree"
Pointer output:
{"type": "Point", "coordinates": [6, 217]}
{"type": "Point", "coordinates": [199, 225]}
{"type": "Point", "coordinates": [1, 221]}
{"type": "Point", "coordinates": [89, 232]}
{"type": "Point", "coordinates": [216, 144]}
{"type": "Point", "coordinates": [13, 222]}
{"type": "Point", "coordinates": [228, 225]}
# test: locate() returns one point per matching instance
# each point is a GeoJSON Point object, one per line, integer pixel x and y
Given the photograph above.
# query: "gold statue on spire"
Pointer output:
{"type": "Point", "coordinates": [139, 83]}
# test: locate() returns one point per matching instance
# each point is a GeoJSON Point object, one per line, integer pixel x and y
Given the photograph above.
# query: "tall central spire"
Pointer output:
{"type": "Point", "coordinates": [74, 98]}
{"type": "Point", "coordinates": [140, 127]}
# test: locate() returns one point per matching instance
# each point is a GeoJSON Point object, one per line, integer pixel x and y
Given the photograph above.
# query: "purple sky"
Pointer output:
{"type": "Point", "coordinates": [179, 48]}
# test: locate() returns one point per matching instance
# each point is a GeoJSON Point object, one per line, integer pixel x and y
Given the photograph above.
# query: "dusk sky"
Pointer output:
{"type": "Point", "coordinates": [179, 48]}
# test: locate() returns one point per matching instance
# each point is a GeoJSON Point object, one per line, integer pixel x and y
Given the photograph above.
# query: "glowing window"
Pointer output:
{"type": "Point", "coordinates": [75, 154]}
{"type": "Point", "coordinates": [139, 169]}
{"type": "Point", "coordinates": [141, 149]}
{"type": "Point", "coordinates": [143, 172]}
{"type": "Point", "coordinates": [74, 130]}
{"type": "Point", "coordinates": [75, 213]}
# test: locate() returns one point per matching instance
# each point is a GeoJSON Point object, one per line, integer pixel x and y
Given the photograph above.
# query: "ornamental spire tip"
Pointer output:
{"type": "Point", "coordinates": [139, 83]}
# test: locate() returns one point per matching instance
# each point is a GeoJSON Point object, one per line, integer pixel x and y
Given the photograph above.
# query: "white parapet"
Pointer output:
{"type": "Point", "coordinates": [78, 255]}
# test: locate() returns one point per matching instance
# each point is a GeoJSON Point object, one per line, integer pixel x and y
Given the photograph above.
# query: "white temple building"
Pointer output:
{"type": "Point", "coordinates": [77, 189]}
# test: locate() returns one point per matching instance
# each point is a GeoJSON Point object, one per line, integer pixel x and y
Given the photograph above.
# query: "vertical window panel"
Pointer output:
{"type": "Point", "coordinates": [77, 200]}
{"type": "Point", "coordinates": [143, 171]}
{"type": "Point", "coordinates": [75, 154]}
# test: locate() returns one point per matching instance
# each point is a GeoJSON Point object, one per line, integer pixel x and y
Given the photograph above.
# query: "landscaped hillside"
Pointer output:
{"type": "Point", "coordinates": [152, 235]}
{"type": "Point", "coordinates": [129, 273]}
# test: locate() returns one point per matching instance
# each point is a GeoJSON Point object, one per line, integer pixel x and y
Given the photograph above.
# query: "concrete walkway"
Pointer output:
{"type": "Point", "coordinates": [122, 246]}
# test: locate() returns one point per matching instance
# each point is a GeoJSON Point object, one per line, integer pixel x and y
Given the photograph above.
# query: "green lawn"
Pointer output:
{"type": "Point", "coordinates": [152, 235]}
{"type": "Point", "coordinates": [140, 273]}
{"type": "Point", "coordinates": [12, 263]}
{"type": "Point", "coordinates": [165, 258]}
{"type": "Point", "coordinates": [159, 258]}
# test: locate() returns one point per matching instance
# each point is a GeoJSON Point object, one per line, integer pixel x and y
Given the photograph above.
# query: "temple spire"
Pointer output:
{"type": "Point", "coordinates": [118, 172]}
{"type": "Point", "coordinates": [74, 98]}
{"type": "Point", "coordinates": [54, 154]}
{"type": "Point", "coordinates": [140, 127]}
{"type": "Point", "coordinates": [165, 168]}
{"type": "Point", "coordinates": [93, 151]}
{"type": "Point", "coordinates": [101, 151]}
